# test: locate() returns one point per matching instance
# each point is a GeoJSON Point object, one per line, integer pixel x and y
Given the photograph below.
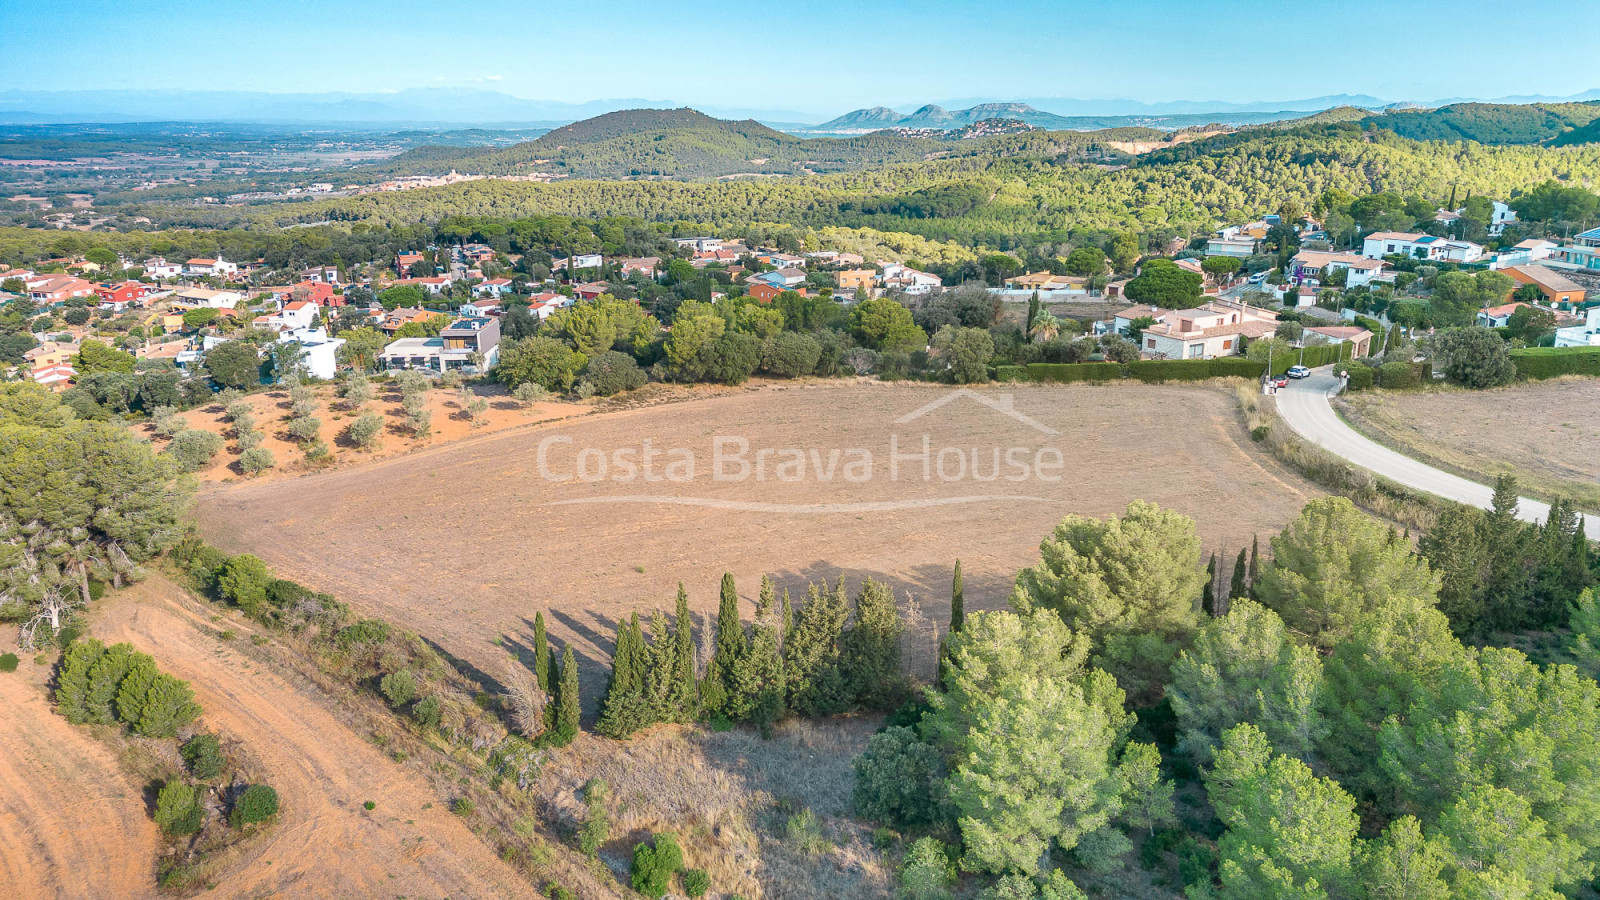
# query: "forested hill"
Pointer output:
{"type": "Point", "coordinates": [1494, 123]}
{"type": "Point", "coordinates": [684, 144]}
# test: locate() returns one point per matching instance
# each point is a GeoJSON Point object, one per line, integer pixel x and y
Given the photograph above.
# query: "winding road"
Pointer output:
{"type": "Point", "coordinates": [1304, 407]}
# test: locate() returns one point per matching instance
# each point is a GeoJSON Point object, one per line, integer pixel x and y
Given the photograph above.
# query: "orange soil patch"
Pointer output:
{"type": "Point", "coordinates": [72, 824]}
{"type": "Point", "coordinates": [272, 419]}
{"type": "Point", "coordinates": [325, 844]}
{"type": "Point", "coordinates": [464, 543]}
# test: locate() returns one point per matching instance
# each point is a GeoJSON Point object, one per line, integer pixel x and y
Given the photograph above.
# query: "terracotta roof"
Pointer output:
{"type": "Point", "coordinates": [1505, 309]}
{"type": "Point", "coordinates": [1546, 277]}
{"type": "Point", "coordinates": [1348, 260]}
{"type": "Point", "coordinates": [1347, 332]}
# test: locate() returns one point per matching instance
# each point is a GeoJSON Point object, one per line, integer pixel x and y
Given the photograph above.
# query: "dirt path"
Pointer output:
{"type": "Point", "coordinates": [71, 824]}
{"type": "Point", "coordinates": [327, 844]}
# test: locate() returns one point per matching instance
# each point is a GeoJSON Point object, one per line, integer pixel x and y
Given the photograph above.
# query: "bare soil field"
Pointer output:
{"type": "Point", "coordinates": [72, 824]}
{"type": "Point", "coordinates": [325, 843]}
{"type": "Point", "coordinates": [272, 419]}
{"type": "Point", "coordinates": [464, 543]}
{"type": "Point", "coordinates": [1546, 434]}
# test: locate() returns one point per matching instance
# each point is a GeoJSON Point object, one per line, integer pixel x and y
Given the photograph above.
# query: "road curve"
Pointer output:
{"type": "Point", "coordinates": [1304, 407]}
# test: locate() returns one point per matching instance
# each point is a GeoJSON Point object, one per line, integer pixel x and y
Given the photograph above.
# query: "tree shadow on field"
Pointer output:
{"type": "Point", "coordinates": [929, 585]}
{"type": "Point", "coordinates": [485, 682]}
{"type": "Point", "coordinates": [594, 669]}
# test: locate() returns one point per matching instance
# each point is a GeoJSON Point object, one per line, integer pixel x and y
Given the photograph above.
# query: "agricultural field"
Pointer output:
{"type": "Point", "coordinates": [464, 543]}
{"type": "Point", "coordinates": [1543, 433]}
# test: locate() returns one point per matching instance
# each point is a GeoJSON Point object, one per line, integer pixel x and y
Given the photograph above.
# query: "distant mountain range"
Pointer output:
{"type": "Point", "coordinates": [454, 107]}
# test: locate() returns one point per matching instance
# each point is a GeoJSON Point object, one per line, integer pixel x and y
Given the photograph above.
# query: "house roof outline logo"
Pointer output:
{"type": "Point", "coordinates": [1002, 404]}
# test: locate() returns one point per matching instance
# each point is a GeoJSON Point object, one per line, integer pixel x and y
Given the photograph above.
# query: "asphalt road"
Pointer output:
{"type": "Point", "coordinates": [1304, 407]}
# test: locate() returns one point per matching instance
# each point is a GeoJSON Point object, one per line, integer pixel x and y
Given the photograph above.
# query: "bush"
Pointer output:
{"type": "Point", "coordinates": [805, 832]}
{"type": "Point", "coordinates": [927, 871]}
{"type": "Point", "coordinates": [427, 712]}
{"type": "Point", "coordinates": [1010, 373]}
{"type": "Point", "coordinates": [203, 755]}
{"type": "Point", "coordinates": [243, 581]}
{"type": "Point", "coordinates": [463, 806]}
{"type": "Point", "coordinates": [1361, 377]}
{"type": "Point", "coordinates": [194, 449]}
{"type": "Point", "coordinates": [596, 827]}
{"type": "Point", "coordinates": [1476, 358]}
{"type": "Point", "coordinates": [529, 393]}
{"type": "Point", "coordinates": [1398, 376]}
{"type": "Point", "coordinates": [258, 803]}
{"type": "Point", "coordinates": [256, 460]}
{"type": "Point", "coordinates": [8, 662]}
{"type": "Point", "coordinates": [611, 372]}
{"type": "Point", "coordinates": [364, 431]}
{"type": "Point", "coordinates": [178, 810]}
{"type": "Point", "coordinates": [790, 355]}
{"type": "Point", "coordinates": [696, 882]}
{"type": "Point", "coordinates": [305, 428]}
{"type": "Point", "coordinates": [653, 867]}
{"type": "Point", "coordinates": [898, 779]}
{"type": "Point", "coordinates": [400, 687]}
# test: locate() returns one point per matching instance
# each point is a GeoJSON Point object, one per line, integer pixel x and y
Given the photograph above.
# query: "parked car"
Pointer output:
{"type": "Point", "coordinates": [1299, 372]}
{"type": "Point", "coordinates": [1280, 381]}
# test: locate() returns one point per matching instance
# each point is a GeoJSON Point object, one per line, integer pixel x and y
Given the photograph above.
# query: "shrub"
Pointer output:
{"type": "Point", "coordinates": [557, 892]}
{"type": "Point", "coordinates": [1066, 373]}
{"type": "Point", "coordinates": [240, 412]}
{"type": "Point", "coordinates": [427, 712]}
{"type": "Point", "coordinates": [463, 806]}
{"type": "Point", "coordinates": [364, 431]}
{"type": "Point", "coordinates": [927, 871]}
{"type": "Point", "coordinates": [612, 372]}
{"type": "Point", "coordinates": [898, 779]}
{"type": "Point", "coordinates": [178, 810]}
{"type": "Point", "coordinates": [8, 662]}
{"type": "Point", "coordinates": [528, 393]}
{"type": "Point", "coordinates": [696, 882]}
{"type": "Point", "coordinates": [805, 832]}
{"type": "Point", "coordinates": [256, 460]}
{"type": "Point", "coordinates": [1361, 378]}
{"type": "Point", "coordinates": [1476, 358]}
{"type": "Point", "coordinates": [203, 755]}
{"type": "Point", "coordinates": [596, 827]}
{"type": "Point", "coordinates": [305, 428]}
{"type": "Point", "coordinates": [364, 632]}
{"type": "Point", "coordinates": [258, 803]}
{"type": "Point", "coordinates": [243, 581]}
{"type": "Point", "coordinates": [168, 423]}
{"type": "Point", "coordinates": [790, 355]}
{"type": "Point", "coordinates": [400, 687]}
{"type": "Point", "coordinates": [355, 390]}
{"type": "Point", "coordinates": [1549, 362]}
{"type": "Point", "coordinates": [653, 867]}
{"type": "Point", "coordinates": [194, 449]}
{"type": "Point", "coordinates": [1398, 376]}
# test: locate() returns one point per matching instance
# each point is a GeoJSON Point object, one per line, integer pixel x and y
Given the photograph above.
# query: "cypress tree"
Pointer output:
{"type": "Point", "coordinates": [756, 695]}
{"type": "Point", "coordinates": [1255, 568]}
{"type": "Point", "coordinates": [683, 692]}
{"type": "Point", "coordinates": [730, 635]}
{"type": "Point", "coordinates": [870, 648]}
{"type": "Point", "coordinates": [958, 613]}
{"type": "Point", "coordinates": [1208, 595]}
{"type": "Point", "coordinates": [567, 704]}
{"type": "Point", "coordinates": [787, 618]}
{"type": "Point", "coordinates": [767, 601]}
{"type": "Point", "coordinates": [541, 653]}
{"type": "Point", "coordinates": [1237, 590]}
{"type": "Point", "coordinates": [623, 711]}
{"type": "Point", "coordinates": [811, 655]}
{"type": "Point", "coordinates": [659, 670]}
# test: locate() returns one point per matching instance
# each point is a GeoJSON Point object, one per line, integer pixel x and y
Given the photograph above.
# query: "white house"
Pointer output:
{"type": "Point", "coordinates": [202, 267]}
{"type": "Point", "coordinates": [321, 358]}
{"type": "Point", "coordinates": [161, 270]}
{"type": "Point", "coordinates": [1212, 330]}
{"type": "Point", "coordinates": [1418, 246]}
{"type": "Point", "coordinates": [1308, 265]}
{"type": "Point", "coordinates": [699, 244]}
{"type": "Point", "coordinates": [197, 297]}
{"type": "Point", "coordinates": [1585, 335]}
{"type": "Point", "coordinates": [584, 261]}
{"type": "Point", "coordinates": [897, 277]}
{"type": "Point", "coordinates": [1503, 216]}
{"type": "Point", "coordinates": [482, 307]}
{"type": "Point", "coordinates": [294, 316]}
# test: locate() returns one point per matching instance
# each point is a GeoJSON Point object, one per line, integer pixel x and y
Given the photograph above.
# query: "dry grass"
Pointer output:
{"type": "Point", "coordinates": [1544, 433]}
{"type": "Point", "coordinates": [728, 796]}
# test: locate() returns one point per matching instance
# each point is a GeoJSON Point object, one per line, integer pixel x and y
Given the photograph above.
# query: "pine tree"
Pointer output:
{"type": "Point", "coordinates": [105, 677]}
{"type": "Point", "coordinates": [766, 602]}
{"type": "Point", "coordinates": [1238, 590]}
{"type": "Point", "coordinates": [659, 670]}
{"type": "Point", "coordinates": [72, 684]}
{"type": "Point", "coordinates": [1208, 595]}
{"type": "Point", "coordinates": [787, 617]}
{"type": "Point", "coordinates": [958, 612]}
{"type": "Point", "coordinates": [684, 691]}
{"type": "Point", "coordinates": [567, 701]}
{"type": "Point", "coordinates": [541, 654]}
{"type": "Point", "coordinates": [1255, 567]}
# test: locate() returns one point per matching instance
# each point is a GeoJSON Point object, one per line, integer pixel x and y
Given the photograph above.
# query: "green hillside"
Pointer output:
{"type": "Point", "coordinates": [1490, 123]}
{"type": "Point", "coordinates": [683, 144]}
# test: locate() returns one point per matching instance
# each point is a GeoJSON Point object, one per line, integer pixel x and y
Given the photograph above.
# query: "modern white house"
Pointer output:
{"type": "Point", "coordinates": [1308, 266]}
{"type": "Point", "coordinates": [202, 266]}
{"type": "Point", "coordinates": [1419, 246]}
{"type": "Point", "coordinates": [294, 316]}
{"type": "Point", "coordinates": [1585, 335]}
{"type": "Point", "coordinates": [1503, 215]}
{"type": "Point", "coordinates": [200, 297]}
{"type": "Point", "coordinates": [321, 359]}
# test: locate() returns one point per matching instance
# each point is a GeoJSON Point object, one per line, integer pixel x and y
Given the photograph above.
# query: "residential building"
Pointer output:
{"type": "Point", "coordinates": [320, 352]}
{"type": "Point", "coordinates": [1122, 320]}
{"type": "Point", "coordinates": [1308, 265]}
{"type": "Point", "coordinates": [647, 266]}
{"type": "Point", "coordinates": [1498, 316]}
{"type": "Point", "coordinates": [1215, 329]}
{"type": "Point", "coordinates": [699, 244]}
{"type": "Point", "coordinates": [52, 289]}
{"type": "Point", "coordinates": [1418, 245]}
{"type": "Point", "coordinates": [1044, 282]}
{"type": "Point", "coordinates": [328, 275]}
{"type": "Point", "coordinates": [1359, 338]}
{"type": "Point", "coordinates": [855, 279]}
{"type": "Point", "coordinates": [50, 353]}
{"type": "Point", "coordinates": [712, 257]}
{"type": "Point", "coordinates": [493, 287]}
{"type": "Point", "coordinates": [484, 307]}
{"type": "Point", "coordinates": [897, 277]}
{"type": "Point", "coordinates": [198, 297]}
{"type": "Point", "coordinates": [452, 350]}
{"type": "Point", "coordinates": [295, 315]}
{"type": "Point", "coordinates": [762, 291]}
{"type": "Point", "coordinates": [787, 279]}
{"type": "Point", "coordinates": [203, 267]}
{"type": "Point", "coordinates": [117, 297]}
{"type": "Point", "coordinates": [581, 261]}
{"type": "Point", "coordinates": [590, 290]}
{"type": "Point", "coordinates": [404, 261]}
{"type": "Point", "coordinates": [1553, 286]}
{"type": "Point", "coordinates": [161, 270]}
{"type": "Point", "coordinates": [1585, 335]}
{"type": "Point", "coordinates": [395, 319]}
{"type": "Point", "coordinates": [542, 305]}
{"type": "Point", "coordinates": [1503, 215]}
{"type": "Point", "coordinates": [56, 377]}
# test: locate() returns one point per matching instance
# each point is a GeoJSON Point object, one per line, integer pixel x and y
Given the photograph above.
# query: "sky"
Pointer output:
{"type": "Point", "coordinates": [818, 57]}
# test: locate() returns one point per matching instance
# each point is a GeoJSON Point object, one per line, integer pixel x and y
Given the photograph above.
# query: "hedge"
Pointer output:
{"type": "Point", "coordinates": [1319, 355]}
{"type": "Point", "coordinates": [1549, 362]}
{"type": "Point", "coordinates": [1010, 373]}
{"type": "Point", "coordinates": [1150, 371]}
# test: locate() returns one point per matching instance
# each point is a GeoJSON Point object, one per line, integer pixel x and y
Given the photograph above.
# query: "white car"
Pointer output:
{"type": "Point", "coordinates": [1299, 372]}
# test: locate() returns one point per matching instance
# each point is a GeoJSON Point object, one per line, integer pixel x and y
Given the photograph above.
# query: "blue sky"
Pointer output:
{"type": "Point", "coordinates": [819, 56]}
